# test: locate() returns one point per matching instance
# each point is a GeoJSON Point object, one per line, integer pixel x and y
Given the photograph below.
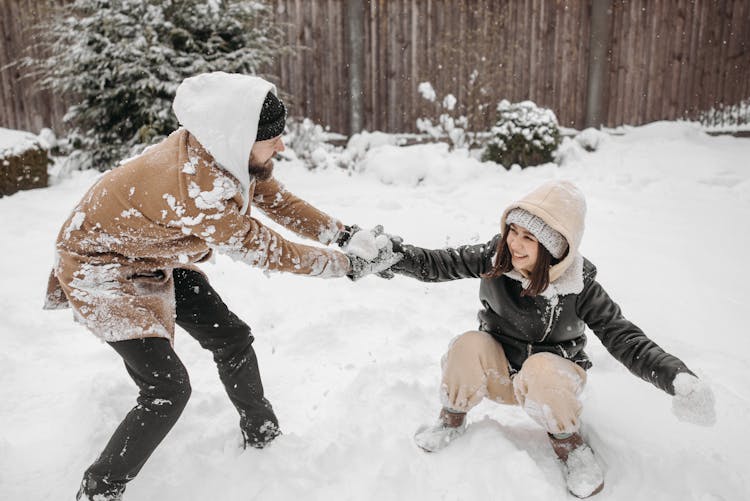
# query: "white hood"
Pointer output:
{"type": "Point", "coordinates": [222, 111]}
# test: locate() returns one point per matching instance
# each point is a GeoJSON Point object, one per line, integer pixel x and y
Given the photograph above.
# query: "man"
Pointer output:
{"type": "Point", "coordinates": [126, 261]}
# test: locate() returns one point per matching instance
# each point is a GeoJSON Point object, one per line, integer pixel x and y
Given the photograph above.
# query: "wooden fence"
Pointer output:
{"type": "Point", "coordinates": [358, 63]}
{"type": "Point", "coordinates": [675, 58]}
{"type": "Point", "coordinates": [22, 106]}
{"type": "Point", "coordinates": [479, 50]}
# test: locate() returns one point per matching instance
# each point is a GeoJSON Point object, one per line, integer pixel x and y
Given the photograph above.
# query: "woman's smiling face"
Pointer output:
{"type": "Point", "coordinates": [524, 248]}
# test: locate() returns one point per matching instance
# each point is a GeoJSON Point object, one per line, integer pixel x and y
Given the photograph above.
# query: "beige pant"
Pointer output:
{"type": "Point", "coordinates": [547, 386]}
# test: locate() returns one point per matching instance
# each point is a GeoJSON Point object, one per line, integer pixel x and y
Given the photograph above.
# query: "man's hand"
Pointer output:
{"type": "Point", "coordinates": [345, 234]}
{"type": "Point", "coordinates": [367, 247]}
{"type": "Point", "coordinates": [693, 400]}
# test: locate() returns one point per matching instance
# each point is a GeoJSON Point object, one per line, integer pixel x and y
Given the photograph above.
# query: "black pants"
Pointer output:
{"type": "Point", "coordinates": [165, 387]}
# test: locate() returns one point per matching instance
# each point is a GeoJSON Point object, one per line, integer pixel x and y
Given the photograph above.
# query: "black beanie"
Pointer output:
{"type": "Point", "coordinates": [272, 118]}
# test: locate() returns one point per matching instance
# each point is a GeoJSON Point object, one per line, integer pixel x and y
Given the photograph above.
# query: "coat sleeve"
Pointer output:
{"type": "Point", "coordinates": [294, 213]}
{"type": "Point", "coordinates": [623, 339]}
{"type": "Point", "coordinates": [208, 207]}
{"type": "Point", "coordinates": [441, 265]}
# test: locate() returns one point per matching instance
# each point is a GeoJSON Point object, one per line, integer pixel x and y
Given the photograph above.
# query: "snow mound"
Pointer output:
{"type": "Point", "coordinates": [15, 142]}
{"type": "Point", "coordinates": [430, 164]}
{"type": "Point", "coordinates": [666, 131]}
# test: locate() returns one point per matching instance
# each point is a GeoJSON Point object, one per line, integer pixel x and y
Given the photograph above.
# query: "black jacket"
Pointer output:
{"type": "Point", "coordinates": [528, 325]}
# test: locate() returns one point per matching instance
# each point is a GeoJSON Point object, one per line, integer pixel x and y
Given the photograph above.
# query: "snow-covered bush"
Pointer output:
{"type": "Point", "coordinates": [311, 143]}
{"type": "Point", "coordinates": [359, 144]}
{"type": "Point", "coordinates": [308, 142]}
{"type": "Point", "coordinates": [727, 117]}
{"type": "Point", "coordinates": [119, 62]}
{"type": "Point", "coordinates": [446, 125]}
{"type": "Point", "coordinates": [524, 134]}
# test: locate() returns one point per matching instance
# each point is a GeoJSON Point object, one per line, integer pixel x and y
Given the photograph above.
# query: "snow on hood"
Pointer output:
{"type": "Point", "coordinates": [222, 111]}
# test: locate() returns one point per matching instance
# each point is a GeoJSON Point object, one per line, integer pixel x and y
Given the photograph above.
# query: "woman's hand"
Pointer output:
{"type": "Point", "coordinates": [379, 265]}
{"type": "Point", "coordinates": [693, 400]}
{"type": "Point", "coordinates": [370, 251]}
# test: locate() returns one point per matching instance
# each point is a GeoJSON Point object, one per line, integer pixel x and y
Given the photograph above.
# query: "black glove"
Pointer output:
{"type": "Point", "coordinates": [397, 245]}
{"type": "Point", "coordinates": [346, 234]}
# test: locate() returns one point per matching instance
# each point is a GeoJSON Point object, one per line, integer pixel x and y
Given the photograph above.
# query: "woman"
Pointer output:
{"type": "Point", "coordinates": [538, 294]}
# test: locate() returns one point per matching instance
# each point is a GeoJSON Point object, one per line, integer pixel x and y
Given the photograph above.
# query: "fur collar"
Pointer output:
{"type": "Point", "coordinates": [570, 282]}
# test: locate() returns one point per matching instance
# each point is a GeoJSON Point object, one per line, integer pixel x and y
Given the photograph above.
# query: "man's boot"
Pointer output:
{"type": "Point", "coordinates": [450, 426]}
{"type": "Point", "coordinates": [99, 490]}
{"type": "Point", "coordinates": [583, 474]}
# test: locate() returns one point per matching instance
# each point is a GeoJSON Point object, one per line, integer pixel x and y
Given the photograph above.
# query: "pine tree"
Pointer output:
{"type": "Point", "coordinates": [120, 61]}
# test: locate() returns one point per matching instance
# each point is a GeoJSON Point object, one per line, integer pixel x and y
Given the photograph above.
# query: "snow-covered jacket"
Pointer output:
{"type": "Point", "coordinates": [169, 208]}
{"type": "Point", "coordinates": [555, 320]}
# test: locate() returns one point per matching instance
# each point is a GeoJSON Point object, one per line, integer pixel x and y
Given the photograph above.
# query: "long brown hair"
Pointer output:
{"type": "Point", "coordinates": [539, 276]}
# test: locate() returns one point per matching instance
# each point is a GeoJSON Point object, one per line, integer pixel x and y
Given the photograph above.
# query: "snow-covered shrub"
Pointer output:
{"type": "Point", "coordinates": [119, 62]}
{"type": "Point", "coordinates": [524, 134]}
{"type": "Point", "coordinates": [67, 158]}
{"type": "Point", "coordinates": [727, 117]}
{"type": "Point", "coordinates": [362, 142]}
{"type": "Point", "coordinates": [311, 143]}
{"type": "Point", "coordinates": [446, 125]}
{"type": "Point", "coordinates": [308, 142]}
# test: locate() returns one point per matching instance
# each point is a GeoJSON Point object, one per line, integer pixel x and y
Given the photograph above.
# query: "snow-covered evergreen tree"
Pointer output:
{"type": "Point", "coordinates": [120, 61]}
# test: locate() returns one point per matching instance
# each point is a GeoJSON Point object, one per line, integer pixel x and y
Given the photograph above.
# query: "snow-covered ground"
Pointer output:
{"type": "Point", "coordinates": [353, 368]}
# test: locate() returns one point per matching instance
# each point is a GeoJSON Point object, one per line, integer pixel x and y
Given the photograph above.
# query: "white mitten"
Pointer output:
{"type": "Point", "coordinates": [693, 400]}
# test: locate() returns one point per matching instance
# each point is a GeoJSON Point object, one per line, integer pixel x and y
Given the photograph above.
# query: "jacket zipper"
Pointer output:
{"type": "Point", "coordinates": [554, 301]}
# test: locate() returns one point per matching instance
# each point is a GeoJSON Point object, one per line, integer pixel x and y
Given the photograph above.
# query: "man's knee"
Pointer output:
{"type": "Point", "coordinates": [169, 393]}
{"type": "Point", "coordinates": [181, 394]}
{"type": "Point", "coordinates": [233, 349]}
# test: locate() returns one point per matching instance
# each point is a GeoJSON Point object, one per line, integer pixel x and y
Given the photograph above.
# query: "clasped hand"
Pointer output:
{"type": "Point", "coordinates": [370, 251]}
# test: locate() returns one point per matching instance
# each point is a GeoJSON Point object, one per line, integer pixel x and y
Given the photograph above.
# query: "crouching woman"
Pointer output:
{"type": "Point", "coordinates": [538, 294]}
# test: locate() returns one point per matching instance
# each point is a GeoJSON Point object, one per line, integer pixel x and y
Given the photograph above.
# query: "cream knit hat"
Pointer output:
{"type": "Point", "coordinates": [551, 239]}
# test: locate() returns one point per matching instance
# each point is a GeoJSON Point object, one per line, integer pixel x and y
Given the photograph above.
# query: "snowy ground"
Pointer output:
{"type": "Point", "coordinates": [353, 369]}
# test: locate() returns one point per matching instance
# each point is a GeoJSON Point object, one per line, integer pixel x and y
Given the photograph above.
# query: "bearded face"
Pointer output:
{"type": "Point", "coordinates": [261, 171]}
{"type": "Point", "coordinates": [261, 157]}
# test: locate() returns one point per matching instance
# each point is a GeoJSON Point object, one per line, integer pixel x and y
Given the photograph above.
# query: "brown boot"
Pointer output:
{"type": "Point", "coordinates": [452, 419]}
{"type": "Point", "coordinates": [583, 474]}
{"type": "Point", "coordinates": [450, 426]}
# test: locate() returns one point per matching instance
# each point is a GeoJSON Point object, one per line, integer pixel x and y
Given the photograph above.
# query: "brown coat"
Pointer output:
{"type": "Point", "coordinates": [168, 208]}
